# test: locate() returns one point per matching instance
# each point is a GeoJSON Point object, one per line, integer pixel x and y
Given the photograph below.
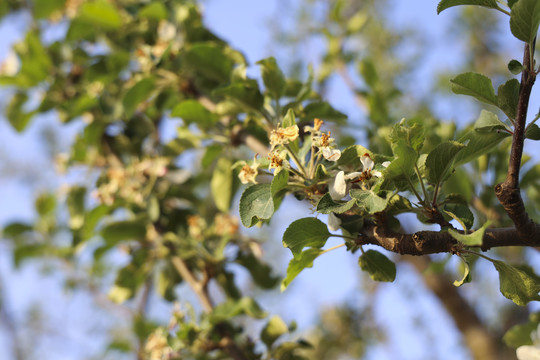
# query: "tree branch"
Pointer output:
{"type": "Point", "coordinates": [508, 192]}
{"type": "Point", "coordinates": [432, 242]}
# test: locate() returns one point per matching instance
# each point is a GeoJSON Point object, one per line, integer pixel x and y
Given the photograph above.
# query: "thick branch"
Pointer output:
{"type": "Point", "coordinates": [508, 192]}
{"type": "Point", "coordinates": [431, 242]}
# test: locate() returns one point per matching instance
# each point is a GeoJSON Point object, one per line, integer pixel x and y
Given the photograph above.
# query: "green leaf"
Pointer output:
{"type": "Point", "coordinates": [533, 132]}
{"type": "Point", "coordinates": [322, 110]}
{"type": "Point", "coordinates": [272, 77]}
{"type": "Point", "coordinates": [445, 4]}
{"type": "Point", "coordinates": [508, 96]}
{"type": "Point", "coordinates": [299, 263]}
{"type": "Point", "coordinates": [378, 266]}
{"type": "Point", "coordinates": [118, 231]}
{"type": "Point", "coordinates": [478, 144]}
{"type": "Point", "coordinates": [488, 122]}
{"type": "Point", "coordinates": [369, 201]}
{"type": "Point", "coordinates": [306, 232]}
{"type": "Point", "coordinates": [519, 335]}
{"type": "Point", "coordinates": [17, 117]}
{"type": "Point", "coordinates": [279, 182]}
{"type": "Point", "coordinates": [221, 184]}
{"type": "Point", "coordinates": [327, 205]}
{"type": "Point", "coordinates": [260, 272]}
{"type": "Point", "coordinates": [273, 330]}
{"type": "Point", "coordinates": [246, 93]}
{"type": "Point", "coordinates": [137, 94]}
{"type": "Point", "coordinates": [525, 19]}
{"type": "Point", "coordinates": [289, 119]}
{"type": "Point", "coordinates": [75, 202]}
{"type": "Point", "coordinates": [14, 229]}
{"type": "Point", "coordinates": [403, 163]}
{"type": "Point", "coordinates": [473, 239]}
{"type": "Point", "coordinates": [475, 85]}
{"type": "Point", "coordinates": [412, 136]}
{"type": "Point", "coordinates": [518, 283]}
{"type": "Point", "coordinates": [45, 204]}
{"type": "Point", "coordinates": [515, 67]}
{"type": "Point", "coordinates": [350, 157]}
{"type": "Point", "coordinates": [192, 111]}
{"type": "Point", "coordinates": [154, 10]}
{"type": "Point", "coordinates": [256, 204]}
{"type": "Point", "coordinates": [43, 9]}
{"type": "Point", "coordinates": [235, 307]}
{"type": "Point", "coordinates": [461, 213]}
{"type": "Point", "coordinates": [119, 294]}
{"type": "Point", "coordinates": [210, 60]}
{"type": "Point", "coordinates": [440, 160]}
{"type": "Point", "coordinates": [100, 13]}
{"type": "Point", "coordinates": [466, 274]}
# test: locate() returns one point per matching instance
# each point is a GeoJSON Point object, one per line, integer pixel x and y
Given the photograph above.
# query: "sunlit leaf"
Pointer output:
{"type": "Point", "coordinates": [475, 85]}
{"type": "Point", "coordinates": [306, 232]}
{"type": "Point", "coordinates": [378, 266]}
{"type": "Point", "coordinates": [256, 204]}
{"type": "Point", "coordinates": [299, 263]}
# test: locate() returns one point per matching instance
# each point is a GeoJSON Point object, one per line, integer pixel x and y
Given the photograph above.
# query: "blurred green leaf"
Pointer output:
{"type": "Point", "coordinates": [209, 59]}
{"type": "Point", "coordinates": [299, 263]}
{"type": "Point", "coordinates": [246, 93]}
{"type": "Point", "coordinates": [273, 330]}
{"type": "Point", "coordinates": [137, 94]}
{"type": "Point", "coordinates": [101, 14]}
{"type": "Point", "coordinates": [323, 110]}
{"type": "Point", "coordinates": [153, 10]}
{"type": "Point", "coordinates": [192, 111]}
{"type": "Point", "coordinates": [234, 307]}
{"type": "Point", "coordinates": [116, 232]}
{"type": "Point", "coordinates": [478, 144]}
{"type": "Point", "coordinates": [533, 132]}
{"type": "Point", "coordinates": [222, 184]}
{"type": "Point", "coordinates": [272, 77]}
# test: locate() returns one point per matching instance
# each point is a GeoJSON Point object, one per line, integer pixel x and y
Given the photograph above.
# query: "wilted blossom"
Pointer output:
{"type": "Point", "coordinates": [278, 160]}
{"type": "Point", "coordinates": [248, 173]}
{"type": "Point", "coordinates": [11, 65]}
{"type": "Point", "coordinates": [157, 347]}
{"type": "Point", "coordinates": [326, 145]}
{"type": "Point", "coordinates": [282, 136]}
{"type": "Point", "coordinates": [315, 129]}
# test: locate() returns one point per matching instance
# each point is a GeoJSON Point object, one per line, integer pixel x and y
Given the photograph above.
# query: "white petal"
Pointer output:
{"type": "Point", "coordinates": [331, 154]}
{"type": "Point", "coordinates": [376, 173]}
{"type": "Point", "coordinates": [367, 162]}
{"type": "Point", "coordinates": [333, 222]}
{"type": "Point", "coordinates": [528, 352]}
{"type": "Point", "coordinates": [353, 175]}
{"type": "Point", "coordinates": [338, 189]}
{"type": "Point", "coordinates": [386, 164]}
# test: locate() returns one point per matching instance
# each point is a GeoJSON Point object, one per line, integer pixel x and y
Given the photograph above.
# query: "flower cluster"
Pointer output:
{"type": "Point", "coordinates": [339, 187]}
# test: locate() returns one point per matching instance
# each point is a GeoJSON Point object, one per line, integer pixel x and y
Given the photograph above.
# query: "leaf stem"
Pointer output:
{"type": "Point", "coordinates": [332, 248]}
{"type": "Point", "coordinates": [417, 171]}
{"type": "Point", "coordinates": [295, 159]}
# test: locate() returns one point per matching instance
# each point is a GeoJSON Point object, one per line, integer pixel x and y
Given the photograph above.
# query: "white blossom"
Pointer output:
{"type": "Point", "coordinates": [338, 188]}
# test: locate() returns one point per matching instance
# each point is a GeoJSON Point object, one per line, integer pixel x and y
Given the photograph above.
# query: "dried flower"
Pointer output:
{"type": "Point", "coordinates": [282, 136]}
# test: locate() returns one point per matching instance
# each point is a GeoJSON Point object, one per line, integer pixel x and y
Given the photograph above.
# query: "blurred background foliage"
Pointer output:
{"type": "Point", "coordinates": [156, 109]}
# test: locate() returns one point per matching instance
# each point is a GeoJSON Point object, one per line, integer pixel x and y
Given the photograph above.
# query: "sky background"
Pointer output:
{"type": "Point", "coordinates": [73, 322]}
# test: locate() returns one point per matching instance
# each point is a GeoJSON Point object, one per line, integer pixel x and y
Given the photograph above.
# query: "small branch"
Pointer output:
{"type": "Point", "coordinates": [195, 284]}
{"type": "Point", "coordinates": [508, 192]}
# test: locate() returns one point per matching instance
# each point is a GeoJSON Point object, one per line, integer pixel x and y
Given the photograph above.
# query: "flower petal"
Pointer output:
{"type": "Point", "coordinates": [331, 154]}
{"type": "Point", "coordinates": [528, 352]}
{"type": "Point", "coordinates": [333, 222]}
{"type": "Point", "coordinates": [367, 162]}
{"type": "Point", "coordinates": [386, 163]}
{"type": "Point", "coordinates": [353, 175]}
{"type": "Point", "coordinates": [338, 189]}
{"type": "Point", "coordinates": [376, 173]}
